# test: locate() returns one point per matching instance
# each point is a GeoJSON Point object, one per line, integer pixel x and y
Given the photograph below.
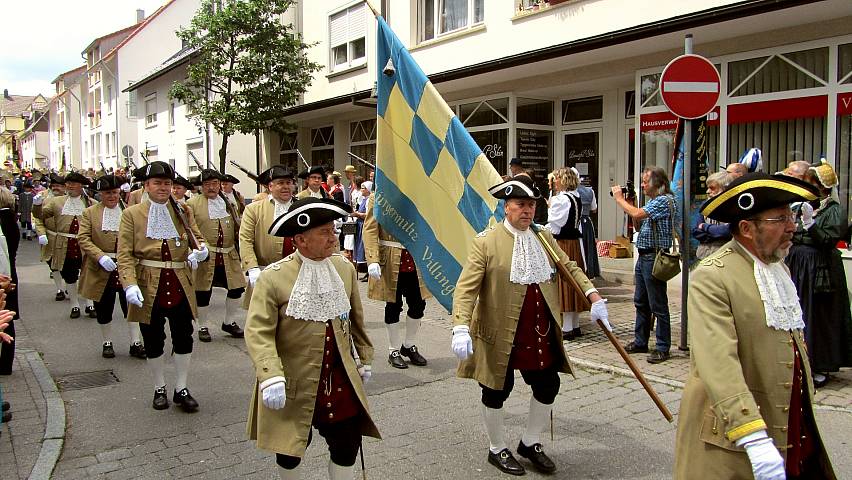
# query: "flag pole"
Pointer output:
{"type": "Point", "coordinates": [373, 9]}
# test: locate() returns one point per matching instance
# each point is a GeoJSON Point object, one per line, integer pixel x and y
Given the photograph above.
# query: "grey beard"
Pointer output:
{"type": "Point", "coordinates": [777, 255]}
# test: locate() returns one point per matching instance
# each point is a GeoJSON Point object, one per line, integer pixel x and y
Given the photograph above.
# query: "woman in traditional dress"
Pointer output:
{"type": "Point", "coordinates": [360, 214]}
{"type": "Point", "coordinates": [589, 205]}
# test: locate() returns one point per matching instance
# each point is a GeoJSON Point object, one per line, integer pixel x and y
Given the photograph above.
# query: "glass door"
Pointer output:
{"type": "Point", "coordinates": [582, 151]}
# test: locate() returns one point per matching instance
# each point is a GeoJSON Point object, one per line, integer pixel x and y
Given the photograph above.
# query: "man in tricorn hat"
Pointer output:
{"type": "Point", "coordinates": [46, 230]}
{"type": "Point", "coordinates": [314, 176]}
{"type": "Point", "coordinates": [158, 245]}
{"type": "Point", "coordinates": [258, 248]}
{"type": "Point", "coordinates": [66, 211]}
{"type": "Point", "coordinates": [747, 409]}
{"type": "Point", "coordinates": [99, 281]}
{"type": "Point", "coordinates": [180, 187]}
{"type": "Point", "coordinates": [507, 316]}
{"type": "Point", "coordinates": [305, 334]}
{"type": "Point", "coordinates": [231, 195]}
{"type": "Point", "coordinates": [218, 222]}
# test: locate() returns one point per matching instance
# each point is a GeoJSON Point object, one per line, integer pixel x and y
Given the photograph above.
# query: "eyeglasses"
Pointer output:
{"type": "Point", "coordinates": [791, 218]}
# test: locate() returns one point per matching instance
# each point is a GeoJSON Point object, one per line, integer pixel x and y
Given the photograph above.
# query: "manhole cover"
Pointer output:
{"type": "Point", "coordinates": [83, 380]}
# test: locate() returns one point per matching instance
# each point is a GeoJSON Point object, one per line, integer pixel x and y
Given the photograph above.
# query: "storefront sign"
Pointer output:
{"type": "Point", "coordinates": [493, 151]}
{"type": "Point", "coordinates": [774, 110]}
{"type": "Point", "coordinates": [533, 145]}
{"type": "Point", "coordinates": [689, 86]}
{"type": "Point", "coordinates": [667, 121]}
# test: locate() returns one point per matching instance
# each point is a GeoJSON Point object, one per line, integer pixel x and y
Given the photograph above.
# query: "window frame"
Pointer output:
{"type": "Point", "coordinates": [470, 22]}
{"type": "Point", "coordinates": [350, 38]}
{"type": "Point", "coordinates": [150, 117]}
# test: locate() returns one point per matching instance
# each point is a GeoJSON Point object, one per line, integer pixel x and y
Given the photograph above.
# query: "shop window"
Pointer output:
{"type": "Point", "coordinates": [535, 149]}
{"type": "Point", "coordinates": [844, 63]}
{"type": "Point", "coordinates": [650, 90]}
{"type": "Point", "coordinates": [630, 104]}
{"type": "Point", "coordinates": [362, 131]}
{"type": "Point", "coordinates": [366, 151]}
{"type": "Point", "coordinates": [582, 110]}
{"type": "Point", "coordinates": [322, 146]}
{"type": "Point", "coordinates": [778, 73]}
{"type": "Point", "coordinates": [347, 37]}
{"type": "Point", "coordinates": [843, 153]}
{"type": "Point", "coordinates": [362, 142]}
{"type": "Point", "coordinates": [287, 155]}
{"type": "Point", "coordinates": [657, 133]}
{"type": "Point", "coordinates": [538, 112]}
{"type": "Point", "coordinates": [493, 144]}
{"type": "Point", "coordinates": [485, 112]}
{"type": "Point", "coordinates": [781, 141]}
{"type": "Point", "coordinates": [439, 17]}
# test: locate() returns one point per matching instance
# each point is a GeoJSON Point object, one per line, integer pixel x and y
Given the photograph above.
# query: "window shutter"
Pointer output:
{"type": "Point", "coordinates": [357, 22]}
{"type": "Point", "coordinates": [337, 29]}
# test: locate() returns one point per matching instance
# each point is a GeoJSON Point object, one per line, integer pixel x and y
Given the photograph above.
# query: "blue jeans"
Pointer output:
{"type": "Point", "coordinates": [650, 297]}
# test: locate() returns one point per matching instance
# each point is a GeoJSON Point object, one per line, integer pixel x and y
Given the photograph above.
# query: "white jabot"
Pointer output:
{"type": "Point", "coordinates": [73, 206]}
{"type": "Point", "coordinates": [529, 260]}
{"type": "Point", "coordinates": [230, 196]}
{"type": "Point", "coordinates": [779, 295]}
{"type": "Point", "coordinates": [160, 224]}
{"type": "Point", "coordinates": [316, 194]}
{"type": "Point", "coordinates": [216, 208]}
{"type": "Point", "coordinates": [318, 294]}
{"type": "Point", "coordinates": [280, 208]}
{"type": "Point", "coordinates": [111, 219]}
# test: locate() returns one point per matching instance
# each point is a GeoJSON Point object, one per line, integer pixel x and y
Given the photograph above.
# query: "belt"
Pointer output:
{"type": "Point", "coordinates": [156, 264]}
{"type": "Point", "coordinates": [388, 243]}
{"type": "Point", "coordinates": [221, 250]}
{"type": "Point", "coordinates": [66, 235]}
{"type": "Point", "coordinates": [648, 251]}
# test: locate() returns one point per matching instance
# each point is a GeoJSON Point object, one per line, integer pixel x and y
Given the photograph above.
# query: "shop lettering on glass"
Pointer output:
{"type": "Point", "coordinates": [581, 155]}
{"type": "Point", "coordinates": [493, 151]}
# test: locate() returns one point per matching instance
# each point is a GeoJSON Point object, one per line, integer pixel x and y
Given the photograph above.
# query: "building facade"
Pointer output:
{"type": "Point", "coordinates": [65, 116]}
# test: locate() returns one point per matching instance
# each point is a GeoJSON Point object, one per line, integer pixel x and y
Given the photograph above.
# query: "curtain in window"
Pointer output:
{"type": "Point", "coordinates": [453, 14]}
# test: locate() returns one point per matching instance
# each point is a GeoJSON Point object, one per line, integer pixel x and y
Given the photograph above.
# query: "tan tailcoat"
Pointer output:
{"type": "Point", "coordinates": [280, 345]}
{"type": "Point", "coordinates": [95, 243]}
{"type": "Point", "coordinates": [490, 304]}
{"type": "Point", "coordinates": [135, 196]}
{"type": "Point", "coordinates": [372, 234]}
{"type": "Point", "coordinates": [51, 209]}
{"type": "Point", "coordinates": [45, 227]}
{"type": "Point", "coordinates": [257, 247]}
{"type": "Point", "coordinates": [133, 245]}
{"type": "Point", "coordinates": [210, 231]}
{"type": "Point", "coordinates": [740, 374]}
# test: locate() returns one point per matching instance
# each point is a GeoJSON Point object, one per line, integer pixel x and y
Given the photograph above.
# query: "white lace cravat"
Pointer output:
{"type": "Point", "coordinates": [73, 206]}
{"type": "Point", "coordinates": [280, 208]}
{"type": "Point", "coordinates": [111, 219]}
{"type": "Point", "coordinates": [216, 208]}
{"type": "Point", "coordinates": [318, 294]}
{"type": "Point", "coordinates": [231, 198]}
{"type": "Point", "coordinates": [160, 224]}
{"type": "Point", "coordinates": [779, 295]}
{"type": "Point", "coordinates": [529, 261]}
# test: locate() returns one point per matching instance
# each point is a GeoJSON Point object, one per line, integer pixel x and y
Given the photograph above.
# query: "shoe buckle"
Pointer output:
{"type": "Point", "coordinates": [394, 353]}
{"type": "Point", "coordinates": [537, 448]}
{"type": "Point", "coordinates": [504, 455]}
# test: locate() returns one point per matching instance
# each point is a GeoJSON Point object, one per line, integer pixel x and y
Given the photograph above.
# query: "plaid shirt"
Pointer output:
{"type": "Point", "coordinates": [660, 216]}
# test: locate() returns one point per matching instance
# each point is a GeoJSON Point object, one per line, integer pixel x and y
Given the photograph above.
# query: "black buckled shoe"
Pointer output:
{"type": "Point", "coordinates": [633, 348]}
{"type": "Point", "coordinates": [60, 295]}
{"type": "Point", "coordinates": [161, 399]}
{"type": "Point", "coordinates": [537, 457]}
{"type": "Point", "coordinates": [568, 336]}
{"type": "Point", "coordinates": [75, 312]}
{"type": "Point", "coordinates": [233, 330]}
{"type": "Point", "coordinates": [204, 334]}
{"type": "Point", "coordinates": [185, 401]}
{"type": "Point", "coordinates": [90, 311]}
{"type": "Point", "coordinates": [505, 462]}
{"type": "Point", "coordinates": [108, 351]}
{"type": "Point", "coordinates": [396, 360]}
{"type": "Point", "coordinates": [577, 332]}
{"type": "Point", "coordinates": [413, 355]}
{"type": "Point", "coordinates": [137, 350]}
{"type": "Point", "coordinates": [658, 357]}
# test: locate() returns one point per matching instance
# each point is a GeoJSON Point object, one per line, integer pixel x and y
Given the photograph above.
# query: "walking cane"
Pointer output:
{"type": "Point", "coordinates": [563, 271]}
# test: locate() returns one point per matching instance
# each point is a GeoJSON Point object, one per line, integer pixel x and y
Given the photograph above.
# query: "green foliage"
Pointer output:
{"type": "Point", "coordinates": [247, 67]}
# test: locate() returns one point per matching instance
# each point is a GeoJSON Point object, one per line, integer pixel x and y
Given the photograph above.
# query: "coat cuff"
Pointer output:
{"type": "Point", "coordinates": [272, 381]}
{"type": "Point", "coordinates": [267, 368]}
{"type": "Point", "coordinates": [590, 291]}
{"type": "Point", "coordinates": [745, 430]}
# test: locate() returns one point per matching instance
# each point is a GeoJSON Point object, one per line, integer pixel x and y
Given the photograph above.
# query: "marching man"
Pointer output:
{"type": "Point", "coordinates": [219, 224]}
{"type": "Point", "coordinates": [98, 238]}
{"type": "Point", "coordinates": [46, 230]}
{"type": "Point", "coordinates": [231, 195]}
{"type": "Point", "coordinates": [158, 244]}
{"type": "Point", "coordinates": [305, 334]}
{"type": "Point", "coordinates": [506, 316]}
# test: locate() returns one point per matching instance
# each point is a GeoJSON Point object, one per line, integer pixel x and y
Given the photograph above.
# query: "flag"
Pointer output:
{"type": "Point", "coordinates": [432, 179]}
{"type": "Point", "coordinates": [699, 166]}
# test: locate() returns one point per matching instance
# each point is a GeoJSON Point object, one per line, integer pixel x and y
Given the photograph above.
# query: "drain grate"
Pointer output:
{"type": "Point", "coordinates": [83, 380]}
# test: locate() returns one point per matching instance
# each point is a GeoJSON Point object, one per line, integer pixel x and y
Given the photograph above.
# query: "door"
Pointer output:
{"type": "Point", "coordinates": [582, 151]}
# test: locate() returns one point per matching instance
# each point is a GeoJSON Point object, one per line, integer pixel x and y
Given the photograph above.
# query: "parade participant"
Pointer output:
{"type": "Point", "coordinates": [25, 208]}
{"type": "Point", "coordinates": [258, 248]}
{"type": "Point", "coordinates": [65, 211]}
{"type": "Point", "coordinates": [506, 317]}
{"type": "Point", "coordinates": [137, 194]}
{"type": "Point", "coordinates": [588, 206]}
{"type": "Point", "coordinates": [306, 336]}
{"type": "Point", "coordinates": [314, 176]}
{"type": "Point", "coordinates": [158, 244]}
{"type": "Point", "coordinates": [233, 196]}
{"type": "Point", "coordinates": [98, 238]}
{"type": "Point", "coordinates": [393, 276]}
{"type": "Point", "coordinates": [747, 405]}
{"type": "Point", "coordinates": [218, 222]}
{"type": "Point", "coordinates": [46, 231]}
{"type": "Point", "coordinates": [516, 169]}
{"type": "Point", "coordinates": [180, 187]}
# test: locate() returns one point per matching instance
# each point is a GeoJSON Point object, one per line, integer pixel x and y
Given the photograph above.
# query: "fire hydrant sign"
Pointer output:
{"type": "Point", "coordinates": [689, 86]}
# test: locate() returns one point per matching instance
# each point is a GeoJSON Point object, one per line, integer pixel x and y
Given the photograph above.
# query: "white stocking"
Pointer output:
{"type": "Point", "coordinates": [72, 292]}
{"type": "Point", "coordinates": [494, 427]}
{"type": "Point", "coordinates": [181, 370]}
{"type": "Point", "coordinates": [106, 332]}
{"type": "Point", "coordinates": [412, 325]}
{"type": "Point", "coordinates": [394, 335]}
{"type": "Point", "coordinates": [156, 366]}
{"type": "Point", "coordinates": [536, 421]}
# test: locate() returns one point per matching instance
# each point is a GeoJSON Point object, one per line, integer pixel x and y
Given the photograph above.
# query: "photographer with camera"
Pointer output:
{"type": "Point", "coordinates": [650, 296]}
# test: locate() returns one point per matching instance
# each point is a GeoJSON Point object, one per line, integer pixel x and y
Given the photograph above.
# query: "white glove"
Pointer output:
{"type": "Point", "coordinates": [38, 200]}
{"type": "Point", "coordinates": [274, 395]}
{"type": "Point", "coordinates": [766, 462]}
{"type": "Point", "coordinates": [599, 312]}
{"type": "Point", "coordinates": [134, 295]}
{"type": "Point", "coordinates": [107, 263]}
{"type": "Point", "coordinates": [462, 343]}
{"type": "Point", "coordinates": [374, 270]}
{"type": "Point", "coordinates": [203, 253]}
{"type": "Point", "coordinates": [253, 274]}
{"type": "Point", "coordinates": [42, 240]}
{"type": "Point", "coordinates": [807, 215]}
{"type": "Point", "coordinates": [366, 373]}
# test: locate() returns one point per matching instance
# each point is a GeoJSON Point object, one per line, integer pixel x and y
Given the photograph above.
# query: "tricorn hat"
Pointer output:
{"type": "Point", "coordinates": [274, 172]}
{"type": "Point", "coordinates": [306, 214]}
{"type": "Point", "coordinates": [57, 179]}
{"type": "Point", "coordinates": [154, 170]}
{"type": "Point", "coordinates": [753, 193]}
{"type": "Point", "coordinates": [319, 170]}
{"type": "Point", "coordinates": [180, 180]}
{"type": "Point", "coordinates": [520, 186]}
{"type": "Point", "coordinates": [107, 182]}
{"type": "Point", "coordinates": [207, 174]}
{"type": "Point", "coordinates": [230, 178]}
{"type": "Point", "coordinates": [77, 177]}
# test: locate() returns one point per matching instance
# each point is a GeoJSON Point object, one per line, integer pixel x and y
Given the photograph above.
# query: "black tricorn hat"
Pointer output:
{"type": "Point", "coordinates": [77, 177]}
{"type": "Point", "coordinates": [154, 170]}
{"type": "Point", "coordinates": [230, 178]}
{"type": "Point", "coordinates": [306, 214]}
{"type": "Point", "coordinates": [520, 186]}
{"type": "Point", "coordinates": [313, 170]}
{"type": "Point", "coordinates": [107, 182]}
{"type": "Point", "coordinates": [180, 180]}
{"type": "Point", "coordinates": [756, 192]}
{"type": "Point", "coordinates": [56, 179]}
{"type": "Point", "coordinates": [274, 172]}
{"type": "Point", "coordinates": [205, 175]}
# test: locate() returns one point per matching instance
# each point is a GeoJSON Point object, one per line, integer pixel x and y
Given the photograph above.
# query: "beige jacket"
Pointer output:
{"type": "Point", "coordinates": [51, 209]}
{"type": "Point", "coordinates": [257, 247]}
{"type": "Point", "coordinates": [45, 227]}
{"type": "Point", "coordinates": [210, 231]}
{"type": "Point", "coordinates": [95, 243]}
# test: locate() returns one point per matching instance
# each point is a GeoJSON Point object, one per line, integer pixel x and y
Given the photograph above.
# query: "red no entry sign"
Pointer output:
{"type": "Point", "coordinates": [690, 86]}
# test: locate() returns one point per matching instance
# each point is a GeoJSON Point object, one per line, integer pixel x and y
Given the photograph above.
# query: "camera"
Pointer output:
{"type": "Point", "coordinates": [628, 190]}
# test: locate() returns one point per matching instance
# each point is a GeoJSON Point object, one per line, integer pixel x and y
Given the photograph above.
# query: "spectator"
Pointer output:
{"type": "Point", "coordinates": [589, 205]}
{"type": "Point", "coordinates": [710, 233]}
{"type": "Point", "coordinates": [360, 214]}
{"type": "Point", "coordinates": [817, 270]}
{"type": "Point", "coordinates": [335, 189]}
{"type": "Point", "coordinates": [8, 275]}
{"type": "Point", "coordinates": [349, 189]}
{"type": "Point", "coordinates": [650, 296]}
{"type": "Point", "coordinates": [797, 169]}
{"type": "Point", "coordinates": [736, 170]}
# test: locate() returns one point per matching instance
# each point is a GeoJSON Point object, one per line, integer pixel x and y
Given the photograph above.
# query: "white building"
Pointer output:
{"type": "Point", "coordinates": [64, 118]}
{"type": "Point", "coordinates": [556, 84]}
{"type": "Point", "coordinates": [34, 139]}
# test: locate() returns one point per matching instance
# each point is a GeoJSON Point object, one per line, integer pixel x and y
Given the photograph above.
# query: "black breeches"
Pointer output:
{"type": "Point", "coordinates": [408, 286]}
{"type": "Point", "coordinates": [202, 297]}
{"type": "Point", "coordinates": [180, 326]}
{"type": "Point", "coordinates": [105, 306]}
{"type": "Point", "coordinates": [71, 270]}
{"type": "Point", "coordinates": [343, 438]}
{"type": "Point", "coordinates": [544, 385]}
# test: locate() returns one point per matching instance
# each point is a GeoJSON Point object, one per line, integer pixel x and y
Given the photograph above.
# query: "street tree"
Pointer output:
{"type": "Point", "coordinates": [248, 67]}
